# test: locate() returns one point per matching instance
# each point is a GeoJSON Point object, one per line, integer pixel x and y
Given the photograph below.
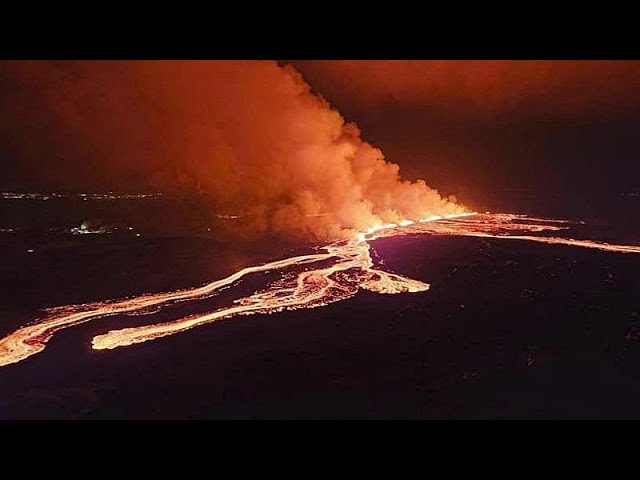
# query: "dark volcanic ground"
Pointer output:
{"type": "Point", "coordinates": [509, 329]}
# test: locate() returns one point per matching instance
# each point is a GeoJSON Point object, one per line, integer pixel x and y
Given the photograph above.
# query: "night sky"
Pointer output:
{"type": "Point", "coordinates": [470, 127]}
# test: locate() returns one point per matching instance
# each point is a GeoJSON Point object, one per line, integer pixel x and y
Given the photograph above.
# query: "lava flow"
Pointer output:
{"type": "Point", "coordinates": [352, 269]}
{"type": "Point", "coordinates": [509, 227]}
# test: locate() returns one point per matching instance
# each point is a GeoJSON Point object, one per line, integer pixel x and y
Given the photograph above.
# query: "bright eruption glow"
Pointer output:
{"type": "Point", "coordinates": [250, 134]}
{"type": "Point", "coordinates": [352, 269]}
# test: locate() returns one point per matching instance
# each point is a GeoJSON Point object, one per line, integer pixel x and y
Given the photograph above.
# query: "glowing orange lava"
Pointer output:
{"type": "Point", "coordinates": [513, 227]}
{"type": "Point", "coordinates": [351, 270]}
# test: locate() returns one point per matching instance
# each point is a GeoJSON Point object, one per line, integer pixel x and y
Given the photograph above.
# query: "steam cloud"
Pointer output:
{"type": "Point", "coordinates": [249, 132]}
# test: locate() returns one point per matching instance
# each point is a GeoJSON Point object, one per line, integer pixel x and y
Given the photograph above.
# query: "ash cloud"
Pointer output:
{"type": "Point", "coordinates": [250, 133]}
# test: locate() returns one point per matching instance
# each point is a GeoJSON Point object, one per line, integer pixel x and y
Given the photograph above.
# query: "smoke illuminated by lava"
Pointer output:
{"type": "Point", "coordinates": [248, 133]}
{"type": "Point", "coordinates": [351, 268]}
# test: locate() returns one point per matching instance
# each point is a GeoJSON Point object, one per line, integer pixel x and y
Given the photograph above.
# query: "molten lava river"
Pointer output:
{"type": "Point", "coordinates": [350, 267]}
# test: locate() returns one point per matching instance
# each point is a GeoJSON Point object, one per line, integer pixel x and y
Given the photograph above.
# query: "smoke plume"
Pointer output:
{"type": "Point", "coordinates": [249, 133]}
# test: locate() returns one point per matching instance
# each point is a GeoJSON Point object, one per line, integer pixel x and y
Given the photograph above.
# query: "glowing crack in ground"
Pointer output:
{"type": "Point", "coordinates": [351, 270]}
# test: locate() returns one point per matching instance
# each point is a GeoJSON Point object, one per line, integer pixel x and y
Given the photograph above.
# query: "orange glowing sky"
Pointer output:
{"type": "Point", "coordinates": [535, 87]}
{"type": "Point", "coordinates": [473, 127]}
